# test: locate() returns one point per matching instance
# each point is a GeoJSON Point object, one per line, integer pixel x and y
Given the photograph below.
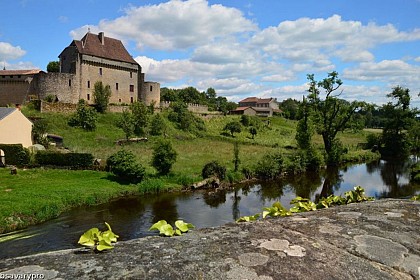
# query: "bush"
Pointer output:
{"type": "Point", "coordinates": [233, 127]}
{"type": "Point", "coordinates": [337, 150]}
{"type": "Point", "coordinates": [74, 160]}
{"type": "Point", "coordinates": [245, 120]}
{"type": "Point", "coordinates": [157, 125]}
{"type": "Point", "coordinates": [373, 140]}
{"type": "Point", "coordinates": [15, 154]}
{"type": "Point", "coordinates": [123, 164]}
{"type": "Point", "coordinates": [85, 117]}
{"type": "Point", "coordinates": [269, 167]}
{"type": "Point", "coordinates": [164, 156]}
{"type": "Point", "coordinates": [213, 168]}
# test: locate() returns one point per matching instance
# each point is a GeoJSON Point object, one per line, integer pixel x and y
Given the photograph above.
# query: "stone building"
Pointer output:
{"type": "Point", "coordinates": [16, 86]}
{"type": "Point", "coordinates": [264, 107]}
{"type": "Point", "coordinates": [83, 63]}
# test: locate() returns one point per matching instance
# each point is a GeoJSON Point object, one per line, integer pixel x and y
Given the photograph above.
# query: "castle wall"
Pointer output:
{"type": "Point", "coordinates": [62, 85]}
{"type": "Point", "coordinates": [122, 78]}
{"type": "Point", "coordinates": [16, 89]}
{"type": "Point", "coordinates": [150, 93]}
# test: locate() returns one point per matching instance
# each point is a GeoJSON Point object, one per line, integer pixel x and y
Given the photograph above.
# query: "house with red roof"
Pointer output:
{"type": "Point", "coordinates": [264, 107]}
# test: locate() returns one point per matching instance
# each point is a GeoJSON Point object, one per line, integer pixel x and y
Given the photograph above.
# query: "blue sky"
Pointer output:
{"type": "Point", "coordinates": [241, 48]}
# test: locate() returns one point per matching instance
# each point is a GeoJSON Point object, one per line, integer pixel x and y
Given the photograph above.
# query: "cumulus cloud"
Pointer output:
{"type": "Point", "coordinates": [10, 52]}
{"type": "Point", "coordinates": [176, 24]}
{"type": "Point", "coordinates": [221, 48]}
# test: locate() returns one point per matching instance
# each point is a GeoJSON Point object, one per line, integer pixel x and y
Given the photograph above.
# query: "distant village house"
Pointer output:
{"type": "Point", "coordinates": [253, 106]}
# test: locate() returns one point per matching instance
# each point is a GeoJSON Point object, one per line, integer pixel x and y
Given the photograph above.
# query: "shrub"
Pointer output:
{"type": "Point", "coordinates": [101, 95]}
{"type": "Point", "coordinates": [15, 154]}
{"type": "Point", "coordinates": [213, 168]}
{"type": "Point", "coordinates": [245, 120]}
{"type": "Point", "coordinates": [123, 164]}
{"type": "Point", "coordinates": [157, 125]}
{"type": "Point", "coordinates": [233, 127]}
{"type": "Point", "coordinates": [164, 156]}
{"type": "Point", "coordinates": [74, 160]}
{"type": "Point", "coordinates": [85, 117]}
{"type": "Point", "coordinates": [373, 140]}
{"type": "Point", "coordinates": [269, 167]}
{"type": "Point", "coordinates": [337, 150]}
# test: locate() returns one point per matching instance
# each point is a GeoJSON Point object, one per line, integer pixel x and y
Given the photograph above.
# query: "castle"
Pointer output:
{"type": "Point", "coordinates": [83, 63]}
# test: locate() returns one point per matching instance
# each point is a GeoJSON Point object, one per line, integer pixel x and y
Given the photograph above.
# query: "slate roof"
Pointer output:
{"type": "Point", "coordinates": [20, 72]}
{"type": "Point", "coordinates": [4, 112]}
{"type": "Point", "coordinates": [112, 48]}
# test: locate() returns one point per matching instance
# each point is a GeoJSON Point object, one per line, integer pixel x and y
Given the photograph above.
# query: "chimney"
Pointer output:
{"type": "Point", "coordinates": [102, 38]}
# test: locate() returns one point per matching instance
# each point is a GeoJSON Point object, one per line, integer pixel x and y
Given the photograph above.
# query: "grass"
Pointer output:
{"type": "Point", "coordinates": [36, 195]}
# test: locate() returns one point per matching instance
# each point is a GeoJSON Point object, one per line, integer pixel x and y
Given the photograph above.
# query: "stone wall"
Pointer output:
{"type": "Point", "coordinates": [62, 85]}
{"type": "Point", "coordinates": [58, 107]}
{"type": "Point", "coordinates": [150, 92]}
{"type": "Point", "coordinates": [16, 89]}
{"type": "Point", "coordinates": [195, 108]}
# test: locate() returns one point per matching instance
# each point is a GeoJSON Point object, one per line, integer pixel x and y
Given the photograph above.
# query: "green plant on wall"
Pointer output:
{"type": "Point", "coordinates": [98, 240]}
{"type": "Point", "coordinates": [167, 230]}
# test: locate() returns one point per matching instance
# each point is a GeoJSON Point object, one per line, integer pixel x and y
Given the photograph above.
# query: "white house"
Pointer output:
{"type": "Point", "coordinates": [15, 128]}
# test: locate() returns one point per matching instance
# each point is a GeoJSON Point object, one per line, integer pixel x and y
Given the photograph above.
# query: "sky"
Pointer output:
{"type": "Point", "coordinates": [241, 48]}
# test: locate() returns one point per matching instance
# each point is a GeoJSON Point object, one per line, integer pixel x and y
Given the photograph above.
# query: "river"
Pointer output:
{"type": "Point", "coordinates": [131, 217]}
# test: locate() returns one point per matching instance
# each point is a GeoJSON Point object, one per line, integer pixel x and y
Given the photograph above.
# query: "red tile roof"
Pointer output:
{"type": "Point", "coordinates": [20, 72]}
{"type": "Point", "coordinates": [243, 108]}
{"type": "Point", "coordinates": [112, 49]}
{"type": "Point", "coordinates": [256, 100]}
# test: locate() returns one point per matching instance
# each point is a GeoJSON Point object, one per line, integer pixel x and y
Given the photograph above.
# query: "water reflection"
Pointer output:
{"type": "Point", "coordinates": [131, 217]}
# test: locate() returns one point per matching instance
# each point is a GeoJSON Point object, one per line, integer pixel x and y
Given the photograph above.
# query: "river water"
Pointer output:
{"type": "Point", "coordinates": [131, 217]}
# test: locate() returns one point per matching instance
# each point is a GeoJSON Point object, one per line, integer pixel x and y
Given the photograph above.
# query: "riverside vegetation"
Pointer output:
{"type": "Point", "coordinates": [179, 144]}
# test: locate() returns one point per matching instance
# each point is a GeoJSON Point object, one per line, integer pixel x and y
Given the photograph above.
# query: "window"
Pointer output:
{"type": "Point", "coordinates": [151, 88]}
{"type": "Point", "coordinates": [119, 100]}
{"type": "Point", "coordinates": [69, 83]}
{"type": "Point", "coordinates": [131, 74]}
{"type": "Point", "coordinates": [100, 71]}
{"type": "Point", "coordinates": [132, 99]}
{"type": "Point", "coordinates": [88, 84]}
{"type": "Point", "coordinates": [116, 86]}
{"type": "Point", "coordinates": [131, 88]}
{"type": "Point", "coordinates": [88, 96]}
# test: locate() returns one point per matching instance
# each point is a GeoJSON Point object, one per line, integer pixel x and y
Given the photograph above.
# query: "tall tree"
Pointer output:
{"type": "Point", "coordinates": [140, 117]}
{"type": "Point", "coordinates": [330, 114]}
{"type": "Point", "coordinates": [101, 95]}
{"type": "Point", "coordinates": [399, 118]}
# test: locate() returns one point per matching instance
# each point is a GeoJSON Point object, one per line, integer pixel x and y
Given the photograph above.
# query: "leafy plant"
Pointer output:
{"type": "Point", "coordinates": [167, 230]}
{"type": "Point", "coordinates": [123, 164]}
{"type": "Point", "coordinates": [302, 205]}
{"type": "Point", "coordinates": [98, 240]}
{"type": "Point", "coordinates": [329, 201]}
{"type": "Point", "coordinates": [163, 157]}
{"type": "Point", "coordinates": [357, 195]}
{"type": "Point", "coordinates": [248, 218]}
{"type": "Point", "coordinates": [213, 168]}
{"type": "Point", "coordinates": [275, 210]}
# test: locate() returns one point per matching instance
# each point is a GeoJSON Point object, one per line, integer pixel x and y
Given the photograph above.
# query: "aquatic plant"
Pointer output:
{"type": "Point", "coordinates": [167, 230]}
{"type": "Point", "coordinates": [99, 240]}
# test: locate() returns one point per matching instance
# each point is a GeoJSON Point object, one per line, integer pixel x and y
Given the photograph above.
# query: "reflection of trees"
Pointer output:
{"type": "Point", "coordinates": [214, 198]}
{"type": "Point", "coordinates": [305, 184]}
{"type": "Point", "coordinates": [392, 172]}
{"type": "Point", "coordinates": [373, 166]}
{"type": "Point", "coordinates": [164, 208]}
{"type": "Point", "coordinates": [235, 205]}
{"type": "Point", "coordinates": [332, 181]}
{"type": "Point", "coordinates": [271, 190]}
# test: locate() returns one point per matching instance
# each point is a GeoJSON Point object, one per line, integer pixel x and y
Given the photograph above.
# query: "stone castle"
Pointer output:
{"type": "Point", "coordinates": [83, 63]}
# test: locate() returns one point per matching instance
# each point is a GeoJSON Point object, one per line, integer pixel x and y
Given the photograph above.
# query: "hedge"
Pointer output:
{"type": "Point", "coordinates": [15, 154]}
{"type": "Point", "coordinates": [73, 160]}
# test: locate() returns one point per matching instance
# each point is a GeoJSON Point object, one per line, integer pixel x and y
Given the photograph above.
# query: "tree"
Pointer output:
{"type": "Point", "coordinates": [236, 160]}
{"type": "Point", "coordinates": [399, 118]}
{"type": "Point", "coordinates": [126, 123]}
{"type": "Point", "coordinates": [163, 157]}
{"type": "Point", "coordinates": [85, 117]}
{"type": "Point", "coordinates": [140, 117]}
{"type": "Point", "coordinates": [39, 131]}
{"type": "Point", "coordinates": [304, 129]}
{"type": "Point", "coordinates": [123, 164]}
{"type": "Point", "coordinates": [233, 127]}
{"type": "Point", "coordinates": [53, 67]}
{"type": "Point", "coordinates": [157, 125]}
{"type": "Point", "coordinates": [290, 108]}
{"type": "Point", "coordinates": [101, 95]}
{"type": "Point", "coordinates": [331, 114]}
{"type": "Point", "coordinates": [253, 131]}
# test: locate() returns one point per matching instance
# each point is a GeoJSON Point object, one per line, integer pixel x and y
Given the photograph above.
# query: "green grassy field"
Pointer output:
{"type": "Point", "coordinates": [36, 195]}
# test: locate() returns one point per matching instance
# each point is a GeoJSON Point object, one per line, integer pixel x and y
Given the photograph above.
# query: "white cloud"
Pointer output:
{"type": "Point", "coordinates": [394, 71]}
{"type": "Point", "coordinates": [10, 52]}
{"type": "Point", "coordinates": [176, 24]}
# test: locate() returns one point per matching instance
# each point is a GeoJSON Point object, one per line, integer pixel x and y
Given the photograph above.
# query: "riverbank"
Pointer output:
{"type": "Point", "coordinates": [370, 240]}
